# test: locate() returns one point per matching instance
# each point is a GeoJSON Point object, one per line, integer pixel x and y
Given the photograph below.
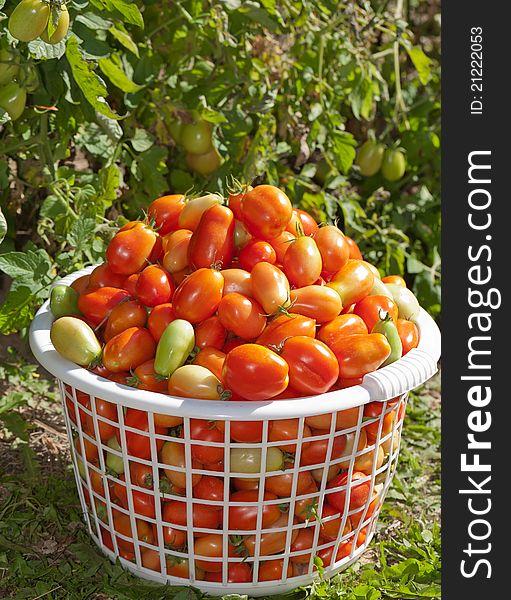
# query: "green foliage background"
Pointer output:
{"type": "Point", "coordinates": [291, 88]}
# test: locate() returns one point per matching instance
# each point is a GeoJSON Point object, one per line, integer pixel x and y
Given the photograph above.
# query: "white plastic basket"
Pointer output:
{"type": "Point", "coordinates": [389, 386]}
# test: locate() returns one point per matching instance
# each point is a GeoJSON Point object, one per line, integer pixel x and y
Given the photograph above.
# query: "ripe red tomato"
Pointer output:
{"type": "Point", "coordinates": [303, 542]}
{"type": "Point", "coordinates": [145, 378]}
{"type": "Point", "coordinates": [309, 225]}
{"type": "Point", "coordinates": [210, 488]}
{"type": "Point", "coordinates": [141, 475]}
{"type": "Point", "coordinates": [282, 430]}
{"type": "Point", "coordinates": [137, 444]}
{"type": "Point", "coordinates": [103, 276]}
{"type": "Point", "coordinates": [154, 286]}
{"type": "Point", "coordinates": [174, 512]}
{"type": "Point", "coordinates": [316, 451]}
{"type": "Point", "coordinates": [266, 211]}
{"type": "Point", "coordinates": [159, 318]}
{"type": "Point", "coordinates": [128, 349]}
{"type": "Point", "coordinates": [212, 243]}
{"type": "Point", "coordinates": [239, 572]}
{"type": "Point", "coordinates": [354, 249]}
{"type": "Point", "coordinates": [122, 525]}
{"type": "Point", "coordinates": [281, 243]}
{"type": "Point", "coordinates": [245, 517]}
{"type": "Point", "coordinates": [285, 326]}
{"type": "Point", "coordinates": [313, 367]}
{"type": "Point", "coordinates": [165, 211]}
{"type": "Point", "coordinates": [272, 570]}
{"type": "Point", "coordinates": [359, 491]}
{"type": "Point", "coordinates": [235, 198]}
{"type": "Point", "coordinates": [211, 546]}
{"type": "Point", "coordinates": [256, 251]}
{"type": "Point", "coordinates": [175, 247]}
{"type": "Point", "coordinates": [130, 284]}
{"type": "Point", "coordinates": [330, 528]}
{"type": "Point", "coordinates": [250, 432]}
{"type": "Point", "coordinates": [333, 247]}
{"type": "Point", "coordinates": [373, 308]}
{"type": "Point", "coordinates": [97, 305]}
{"type": "Point", "coordinates": [254, 372]}
{"type": "Point", "coordinates": [212, 359]}
{"type": "Point", "coordinates": [242, 316]}
{"type": "Point", "coordinates": [210, 332]}
{"type": "Point", "coordinates": [131, 248]}
{"type": "Point", "coordinates": [143, 503]}
{"type": "Point", "coordinates": [105, 410]}
{"type": "Point", "coordinates": [207, 431]}
{"type": "Point", "coordinates": [302, 262]}
{"type": "Point", "coordinates": [270, 542]}
{"type": "Point", "coordinates": [352, 282]}
{"type": "Point", "coordinates": [283, 484]}
{"type": "Point", "coordinates": [199, 295]}
{"type": "Point", "coordinates": [341, 326]}
{"type": "Point", "coordinates": [123, 316]}
{"type": "Point", "coordinates": [81, 284]}
{"type": "Point", "coordinates": [270, 287]}
{"type": "Point", "coordinates": [318, 302]}
{"type": "Point", "coordinates": [408, 333]}
{"type": "Point", "coordinates": [360, 354]}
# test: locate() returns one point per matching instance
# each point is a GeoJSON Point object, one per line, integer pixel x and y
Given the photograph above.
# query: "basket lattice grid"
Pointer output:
{"type": "Point", "coordinates": [327, 500]}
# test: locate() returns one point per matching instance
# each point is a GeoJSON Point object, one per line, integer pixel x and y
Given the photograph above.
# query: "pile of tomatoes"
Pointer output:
{"type": "Point", "coordinates": [247, 300]}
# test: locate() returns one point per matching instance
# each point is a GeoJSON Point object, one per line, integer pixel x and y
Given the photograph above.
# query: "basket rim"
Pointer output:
{"type": "Point", "coordinates": [388, 382]}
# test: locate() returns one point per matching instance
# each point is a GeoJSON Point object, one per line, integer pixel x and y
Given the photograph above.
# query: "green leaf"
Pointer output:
{"type": "Point", "coordinates": [41, 50]}
{"type": "Point", "coordinates": [129, 11]}
{"type": "Point", "coordinates": [119, 32]}
{"type": "Point", "coordinates": [3, 226]}
{"type": "Point", "coordinates": [91, 85]}
{"type": "Point", "coordinates": [111, 68]}
{"type": "Point", "coordinates": [30, 268]}
{"type": "Point", "coordinates": [421, 62]}
{"type": "Point", "coordinates": [142, 140]}
{"type": "Point", "coordinates": [343, 146]}
{"type": "Point", "coordinates": [81, 233]}
{"type": "Point", "coordinates": [17, 310]}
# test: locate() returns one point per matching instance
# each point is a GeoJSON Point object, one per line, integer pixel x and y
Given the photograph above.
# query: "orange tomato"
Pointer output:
{"type": "Point", "coordinates": [254, 372]}
{"type": "Point", "coordinates": [199, 295]}
{"type": "Point", "coordinates": [352, 282]}
{"type": "Point", "coordinates": [285, 326]}
{"type": "Point", "coordinates": [360, 354]}
{"type": "Point", "coordinates": [408, 333]}
{"type": "Point", "coordinates": [237, 281]}
{"type": "Point", "coordinates": [266, 211]}
{"type": "Point", "coordinates": [176, 246]}
{"type": "Point", "coordinates": [373, 308]}
{"type": "Point", "coordinates": [302, 262]}
{"type": "Point", "coordinates": [318, 302]}
{"type": "Point", "coordinates": [341, 326]}
{"type": "Point", "coordinates": [270, 287]}
{"type": "Point", "coordinates": [211, 358]}
{"type": "Point", "coordinates": [210, 332]}
{"type": "Point", "coordinates": [125, 315]}
{"type": "Point", "coordinates": [212, 242]}
{"type": "Point", "coordinates": [242, 316]}
{"type": "Point", "coordinates": [333, 247]}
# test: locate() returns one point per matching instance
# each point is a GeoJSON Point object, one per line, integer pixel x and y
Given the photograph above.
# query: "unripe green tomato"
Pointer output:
{"type": "Point", "coordinates": [75, 340]}
{"type": "Point", "coordinates": [196, 137]}
{"type": "Point", "coordinates": [61, 30]}
{"type": "Point", "coordinates": [64, 301]}
{"type": "Point", "coordinates": [380, 289]}
{"type": "Point", "coordinates": [174, 347]}
{"type": "Point", "coordinates": [407, 304]}
{"type": "Point", "coordinates": [394, 165]}
{"type": "Point", "coordinates": [114, 463]}
{"type": "Point", "coordinates": [13, 99]}
{"type": "Point", "coordinates": [204, 164]}
{"type": "Point", "coordinates": [29, 19]}
{"type": "Point", "coordinates": [369, 158]}
{"type": "Point", "coordinates": [9, 65]}
{"type": "Point", "coordinates": [249, 460]}
{"type": "Point", "coordinates": [175, 129]}
{"type": "Point", "coordinates": [387, 327]}
{"type": "Point", "coordinates": [323, 171]}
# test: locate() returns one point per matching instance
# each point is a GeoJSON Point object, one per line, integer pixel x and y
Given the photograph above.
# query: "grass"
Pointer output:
{"type": "Point", "coordinates": [45, 551]}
